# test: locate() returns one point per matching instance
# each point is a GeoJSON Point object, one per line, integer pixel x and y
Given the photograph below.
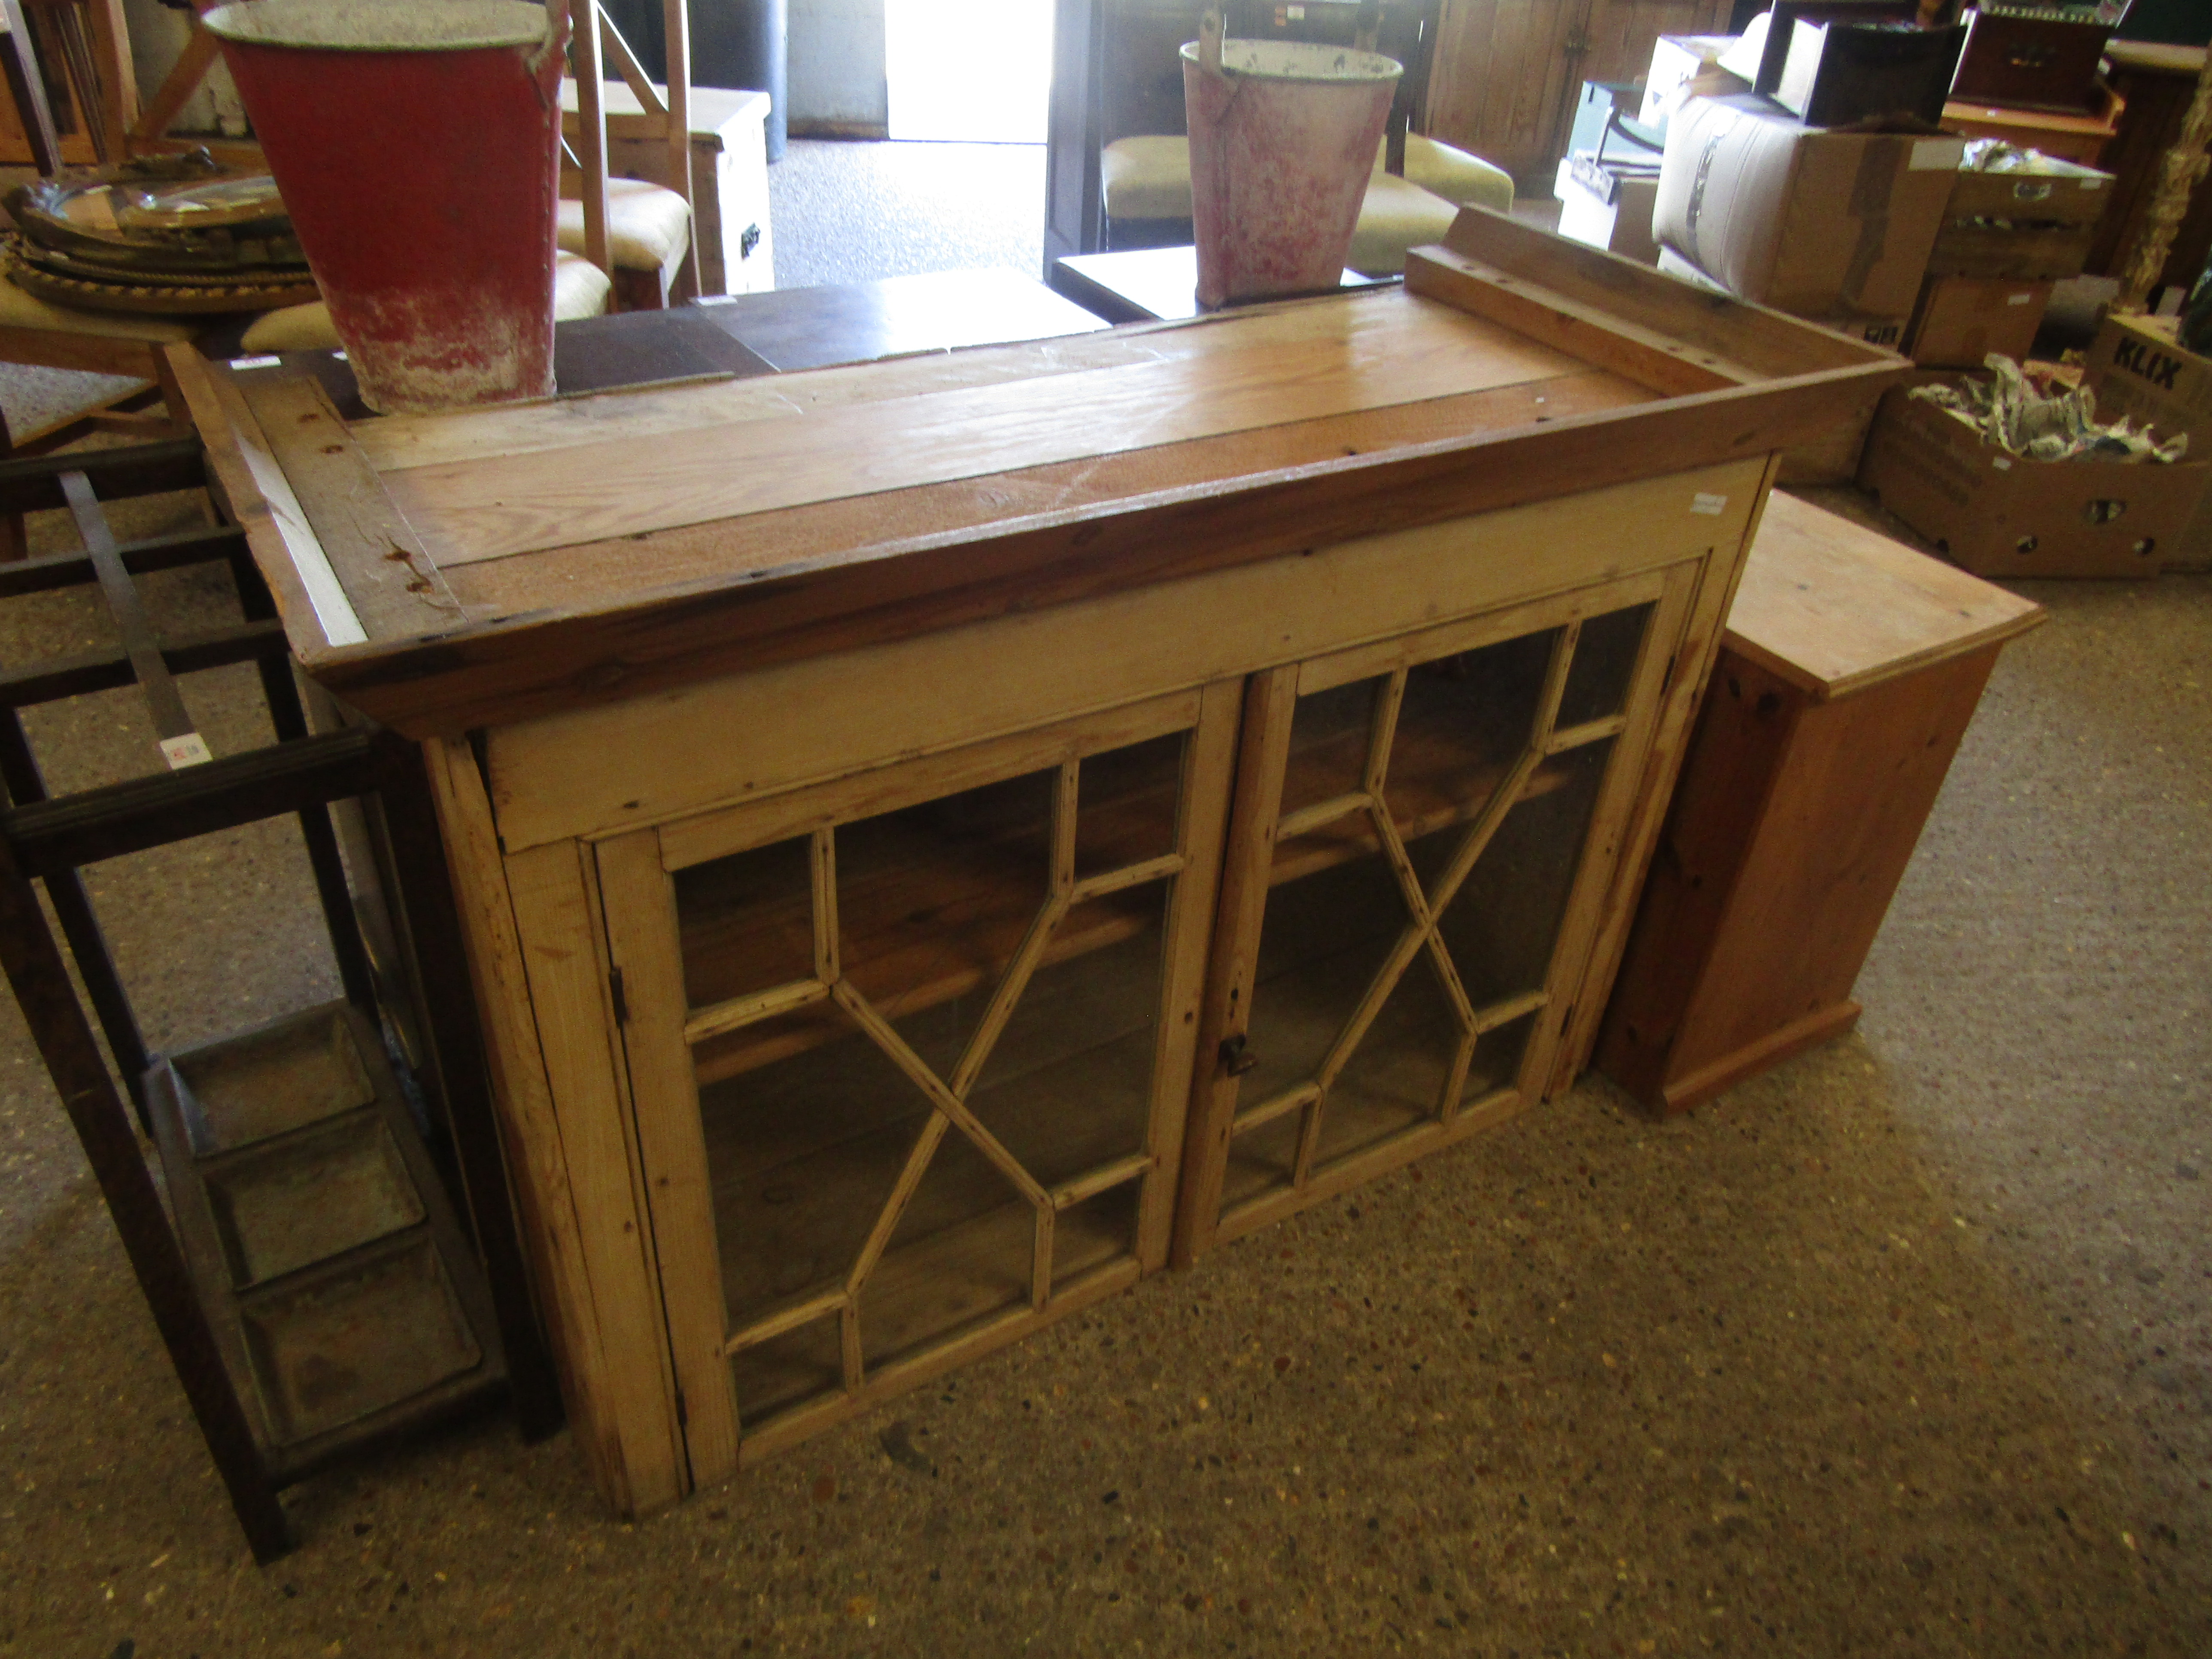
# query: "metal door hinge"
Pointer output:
{"type": "Point", "coordinates": [620, 1002]}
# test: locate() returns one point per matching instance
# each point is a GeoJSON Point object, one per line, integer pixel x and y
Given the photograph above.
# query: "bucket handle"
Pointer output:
{"type": "Point", "coordinates": [1211, 28]}
{"type": "Point", "coordinates": [546, 62]}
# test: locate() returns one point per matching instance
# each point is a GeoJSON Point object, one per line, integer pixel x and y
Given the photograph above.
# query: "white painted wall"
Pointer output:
{"type": "Point", "coordinates": [837, 65]}
{"type": "Point", "coordinates": [977, 71]}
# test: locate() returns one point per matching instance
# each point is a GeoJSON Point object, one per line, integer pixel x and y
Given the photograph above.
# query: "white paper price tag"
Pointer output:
{"type": "Point", "coordinates": [191, 750]}
{"type": "Point", "coordinates": [1712, 505]}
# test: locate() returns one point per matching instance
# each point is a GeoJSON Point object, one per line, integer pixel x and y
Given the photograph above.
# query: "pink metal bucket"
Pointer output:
{"type": "Point", "coordinates": [1282, 141]}
{"type": "Point", "coordinates": [416, 144]}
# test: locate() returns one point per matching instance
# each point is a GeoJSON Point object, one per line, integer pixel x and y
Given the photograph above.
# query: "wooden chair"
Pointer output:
{"type": "Point", "coordinates": [639, 235]}
{"type": "Point", "coordinates": [88, 40]}
{"type": "Point", "coordinates": [639, 232]}
{"type": "Point", "coordinates": [33, 331]}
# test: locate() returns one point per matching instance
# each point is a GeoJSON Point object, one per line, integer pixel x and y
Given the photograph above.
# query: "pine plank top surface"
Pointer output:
{"type": "Point", "coordinates": [1231, 374]}
{"type": "Point", "coordinates": [599, 547]}
{"type": "Point", "coordinates": [1835, 608]}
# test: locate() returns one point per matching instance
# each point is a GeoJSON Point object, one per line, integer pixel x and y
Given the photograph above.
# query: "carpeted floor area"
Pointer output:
{"type": "Point", "coordinates": [1903, 1349]}
{"type": "Point", "coordinates": [857, 212]}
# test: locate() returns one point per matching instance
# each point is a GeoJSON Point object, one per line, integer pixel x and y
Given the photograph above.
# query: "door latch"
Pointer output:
{"type": "Point", "coordinates": [1236, 1058]}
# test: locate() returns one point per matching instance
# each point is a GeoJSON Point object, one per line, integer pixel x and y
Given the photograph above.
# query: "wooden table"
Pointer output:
{"type": "Point", "coordinates": [940, 838]}
{"type": "Point", "coordinates": [1850, 667]}
{"type": "Point", "coordinates": [1147, 284]}
{"type": "Point", "coordinates": [752, 334]}
{"type": "Point", "coordinates": [813, 327]}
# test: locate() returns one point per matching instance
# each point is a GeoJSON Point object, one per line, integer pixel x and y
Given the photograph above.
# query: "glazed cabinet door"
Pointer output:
{"type": "Point", "coordinates": [909, 1053]}
{"type": "Point", "coordinates": [1422, 833]}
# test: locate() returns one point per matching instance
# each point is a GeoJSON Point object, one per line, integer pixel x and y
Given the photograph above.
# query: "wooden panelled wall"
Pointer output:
{"type": "Point", "coordinates": [1508, 72]}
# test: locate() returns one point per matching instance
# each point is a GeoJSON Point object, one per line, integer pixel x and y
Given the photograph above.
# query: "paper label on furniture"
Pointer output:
{"type": "Point", "coordinates": [2018, 299]}
{"type": "Point", "coordinates": [270, 361]}
{"type": "Point", "coordinates": [1711, 505]}
{"type": "Point", "coordinates": [190, 750]}
{"type": "Point", "coordinates": [2093, 183]}
{"type": "Point", "coordinates": [1937, 156]}
{"type": "Point", "coordinates": [2001, 462]}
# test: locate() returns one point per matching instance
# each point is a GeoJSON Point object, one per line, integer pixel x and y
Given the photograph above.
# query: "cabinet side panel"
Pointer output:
{"type": "Point", "coordinates": [1684, 696]}
{"type": "Point", "coordinates": [555, 923]}
{"type": "Point", "coordinates": [1857, 784]}
{"type": "Point", "coordinates": [644, 944]}
{"type": "Point", "coordinates": [1733, 757]}
{"type": "Point", "coordinates": [536, 1160]}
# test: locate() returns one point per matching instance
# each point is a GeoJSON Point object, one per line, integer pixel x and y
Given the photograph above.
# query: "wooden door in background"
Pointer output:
{"type": "Point", "coordinates": [1508, 71]}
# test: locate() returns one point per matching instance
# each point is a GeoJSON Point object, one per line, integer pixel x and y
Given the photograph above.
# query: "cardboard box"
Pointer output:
{"type": "Point", "coordinates": [2002, 515]}
{"type": "Point", "coordinates": [1809, 221]}
{"type": "Point", "coordinates": [1608, 207]}
{"type": "Point", "coordinates": [2058, 192]}
{"type": "Point", "coordinates": [1875, 331]}
{"type": "Point", "coordinates": [1838, 72]}
{"type": "Point", "coordinates": [2136, 370]}
{"type": "Point", "coordinates": [1683, 66]}
{"type": "Point", "coordinates": [2029, 226]}
{"type": "Point", "coordinates": [1763, 51]}
{"type": "Point", "coordinates": [1962, 319]}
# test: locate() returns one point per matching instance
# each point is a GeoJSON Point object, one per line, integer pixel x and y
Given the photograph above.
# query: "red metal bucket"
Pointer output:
{"type": "Point", "coordinates": [1282, 141]}
{"type": "Point", "coordinates": [417, 144]}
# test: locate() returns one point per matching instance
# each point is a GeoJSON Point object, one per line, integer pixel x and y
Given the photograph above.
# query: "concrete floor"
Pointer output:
{"type": "Point", "coordinates": [857, 212]}
{"type": "Point", "coordinates": [1901, 1349]}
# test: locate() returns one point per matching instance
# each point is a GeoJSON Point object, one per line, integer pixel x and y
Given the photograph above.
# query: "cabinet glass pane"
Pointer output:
{"type": "Point", "coordinates": [928, 1099]}
{"type": "Point", "coordinates": [1324, 939]}
{"type": "Point", "coordinates": [1604, 665]}
{"type": "Point", "coordinates": [1464, 721]}
{"type": "Point", "coordinates": [787, 1370]}
{"type": "Point", "coordinates": [933, 901]}
{"type": "Point", "coordinates": [802, 1154]}
{"type": "Point", "coordinates": [748, 923]}
{"type": "Point", "coordinates": [1404, 955]}
{"type": "Point", "coordinates": [1328, 744]}
{"type": "Point", "coordinates": [1501, 928]}
{"type": "Point", "coordinates": [1128, 810]}
{"type": "Point", "coordinates": [1068, 1085]}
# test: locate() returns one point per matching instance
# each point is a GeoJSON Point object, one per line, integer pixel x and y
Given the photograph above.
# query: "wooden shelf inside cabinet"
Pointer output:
{"type": "Point", "coordinates": [939, 923]}
{"type": "Point", "coordinates": [1442, 783]}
